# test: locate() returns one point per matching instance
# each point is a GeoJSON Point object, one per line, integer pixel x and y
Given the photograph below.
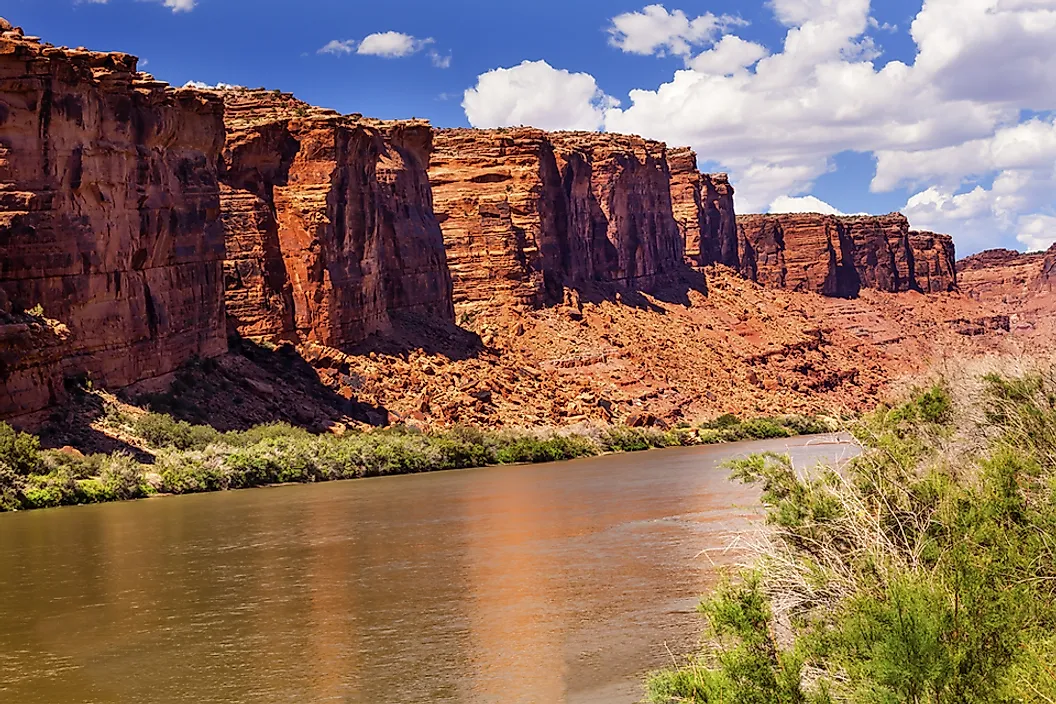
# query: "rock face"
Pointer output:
{"type": "Point", "coordinates": [621, 228]}
{"type": "Point", "coordinates": [526, 213]}
{"type": "Point", "coordinates": [838, 256]}
{"type": "Point", "coordinates": [934, 262]}
{"type": "Point", "coordinates": [883, 256]}
{"type": "Point", "coordinates": [1047, 279]}
{"type": "Point", "coordinates": [499, 198]}
{"type": "Point", "coordinates": [1003, 275]}
{"type": "Point", "coordinates": [329, 220]}
{"type": "Point", "coordinates": [704, 210]}
{"type": "Point", "coordinates": [799, 252]}
{"type": "Point", "coordinates": [109, 218]}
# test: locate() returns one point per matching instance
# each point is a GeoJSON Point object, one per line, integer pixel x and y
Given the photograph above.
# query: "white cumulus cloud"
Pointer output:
{"type": "Point", "coordinates": [387, 45]}
{"type": "Point", "coordinates": [536, 94]}
{"type": "Point", "coordinates": [805, 204]}
{"type": "Point", "coordinates": [1037, 232]}
{"type": "Point", "coordinates": [947, 124]}
{"type": "Point", "coordinates": [174, 5]}
{"type": "Point", "coordinates": [654, 30]}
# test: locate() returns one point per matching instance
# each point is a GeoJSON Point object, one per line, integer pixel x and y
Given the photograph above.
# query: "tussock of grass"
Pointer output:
{"type": "Point", "coordinates": [196, 458]}
{"type": "Point", "coordinates": [923, 572]}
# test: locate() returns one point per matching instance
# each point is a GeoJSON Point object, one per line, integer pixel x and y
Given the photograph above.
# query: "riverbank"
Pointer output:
{"type": "Point", "coordinates": [166, 456]}
{"type": "Point", "coordinates": [922, 572]}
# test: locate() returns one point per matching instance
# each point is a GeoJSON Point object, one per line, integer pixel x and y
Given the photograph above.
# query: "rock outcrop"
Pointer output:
{"type": "Point", "coordinates": [526, 213]}
{"type": "Point", "coordinates": [704, 210]}
{"type": "Point", "coordinates": [838, 256]}
{"type": "Point", "coordinates": [798, 252]}
{"type": "Point", "coordinates": [1047, 278]}
{"type": "Point", "coordinates": [621, 228]}
{"type": "Point", "coordinates": [109, 219]}
{"type": "Point", "coordinates": [329, 219]}
{"type": "Point", "coordinates": [499, 198]}
{"type": "Point", "coordinates": [1000, 275]}
{"type": "Point", "coordinates": [934, 262]}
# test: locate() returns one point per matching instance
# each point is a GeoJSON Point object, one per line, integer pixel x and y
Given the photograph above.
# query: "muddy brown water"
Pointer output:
{"type": "Point", "coordinates": [539, 585]}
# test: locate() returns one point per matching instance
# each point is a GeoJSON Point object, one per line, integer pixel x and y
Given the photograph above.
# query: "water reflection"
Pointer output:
{"type": "Point", "coordinates": [559, 583]}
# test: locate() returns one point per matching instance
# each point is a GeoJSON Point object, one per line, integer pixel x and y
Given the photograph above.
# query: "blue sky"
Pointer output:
{"type": "Point", "coordinates": [802, 122]}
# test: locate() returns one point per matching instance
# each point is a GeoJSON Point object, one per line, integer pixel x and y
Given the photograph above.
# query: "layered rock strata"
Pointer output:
{"type": "Point", "coordinates": [934, 262]}
{"type": "Point", "coordinates": [1047, 279]}
{"type": "Point", "coordinates": [840, 255]}
{"type": "Point", "coordinates": [329, 220]}
{"type": "Point", "coordinates": [109, 218]}
{"type": "Point", "coordinates": [704, 210]}
{"type": "Point", "coordinates": [526, 213]}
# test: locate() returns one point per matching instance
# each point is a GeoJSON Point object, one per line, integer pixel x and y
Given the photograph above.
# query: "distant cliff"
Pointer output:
{"type": "Point", "coordinates": [840, 255]}
{"type": "Point", "coordinates": [704, 210]}
{"type": "Point", "coordinates": [329, 222]}
{"type": "Point", "coordinates": [526, 213]}
{"type": "Point", "coordinates": [109, 221]}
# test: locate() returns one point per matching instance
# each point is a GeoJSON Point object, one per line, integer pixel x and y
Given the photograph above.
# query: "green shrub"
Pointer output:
{"type": "Point", "coordinates": [727, 420]}
{"type": "Point", "coordinates": [765, 429]}
{"type": "Point", "coordinates": [165, 431]}
{"type": "Point", "coordinates": [533, 450]}
{"type": "Point", "coordinates": [11, 484]}
{"type": "Point", "coordinates": [92, 491]}
{"type": "Point", "coordinates": [49, 490]}
{"type": "Point", "coordinates": [19, 452]}
{"type": "Point", "coordinates": [122, 477]}
{"type": "Point", "coordinates": [921, 572]}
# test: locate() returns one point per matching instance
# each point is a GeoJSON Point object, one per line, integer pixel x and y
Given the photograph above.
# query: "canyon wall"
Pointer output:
{"type": "Point", "coordinates": [704, 210]}
{"type": "Point", "coordinates": [109, 221]}
{"type": "Point", "coordinates": [329, 221]}
{"type": "Point", "coordinates": [1046, 281]}
{"type": "Point", "coordinates": [526, 213]}
{"type": "Point", "coordinates": [934, 262]}
{"type": "Point", "coordinates": [839, 255]}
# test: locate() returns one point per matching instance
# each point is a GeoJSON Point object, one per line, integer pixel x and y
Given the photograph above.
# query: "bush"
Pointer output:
{"type": "Point", "coordinates": [528, 449]}
{"type": "Point", "coordinates": [10, 489]}
{"type": "Point", "coordinates": [765, 429]}
{"type": "Point", "coordinates": [122, 477]}
{"type": "Point", "coordinates": [19, 452]}
{"type": "Point", "coordinates": [164, 431]}
{"type": "Point", "coordinates": [920, 573]}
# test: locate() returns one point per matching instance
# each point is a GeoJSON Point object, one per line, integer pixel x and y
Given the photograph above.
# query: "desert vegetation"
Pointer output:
{"type": "Point", "coordinates": [923, 572]}
{"type": "Point", "coordinates": [177, 457]}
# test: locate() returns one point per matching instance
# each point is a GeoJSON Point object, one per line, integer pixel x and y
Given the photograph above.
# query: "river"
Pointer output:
{"type": "Point", "coordinates": [543, 584]}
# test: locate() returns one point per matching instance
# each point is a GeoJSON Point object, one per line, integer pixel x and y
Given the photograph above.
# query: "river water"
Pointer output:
{"type": "Point", "coordinates": [537, 585]}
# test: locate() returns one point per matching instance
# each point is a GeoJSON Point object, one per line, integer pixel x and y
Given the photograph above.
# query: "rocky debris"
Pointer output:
{"type": "Point", "coordinates": [329, 221]}
{"type": "Point", "coordinates": [739, 349]}
{"type": "Point", "coordinates": [109, 220]}
{"type": "Point", "coordinates": [704, 210]}
{"type": "Point", "coordinates": [838, 256]}
{"type": "Point", "coordinates": [526, 213]}
{"type": "Point", "coordinates": [982, 326]}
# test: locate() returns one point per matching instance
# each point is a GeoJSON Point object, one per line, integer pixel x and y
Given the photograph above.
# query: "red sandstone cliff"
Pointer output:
{"type": "Point", "coordinates": [109, 219]}
{"type": "Point", "coordinates": [840, 255]}
{"type": "Point", "coordinates": [1046, 281]}
{"type": "Point", "coordinates": [934, 262]}
{"type": "Point", "coordinates": [704, 210]}
{"type": "Point", "coordinates": [329, 220]}
{"type": "Point", "coordinates": [526, 213]}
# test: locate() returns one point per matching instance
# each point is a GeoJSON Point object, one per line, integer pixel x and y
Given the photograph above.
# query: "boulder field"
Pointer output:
{"type": "Point", "coordinates": [437, 276]}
